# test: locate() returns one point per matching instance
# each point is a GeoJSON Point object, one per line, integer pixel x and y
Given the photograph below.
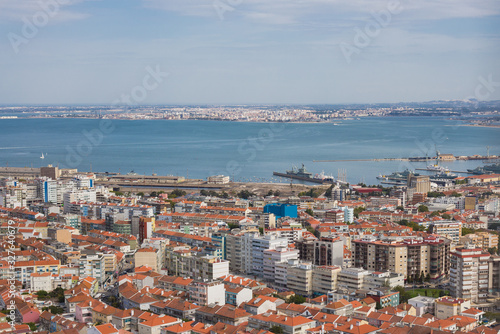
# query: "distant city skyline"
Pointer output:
{"type": "Point", "coordinates": [227, 52]}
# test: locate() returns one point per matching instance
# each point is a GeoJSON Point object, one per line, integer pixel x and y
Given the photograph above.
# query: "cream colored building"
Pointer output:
{"type": "Point", "coordinates": [324, 279]}
{"type": "Point", "coordinates": [446, 307]}
{"type": "Point", "coordinates": [147, 257]}
{"type": "Point", "coordinates": [299, 277]}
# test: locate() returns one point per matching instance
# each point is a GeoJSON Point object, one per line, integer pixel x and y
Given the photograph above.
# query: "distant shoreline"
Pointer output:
{"type": "Point", "coordinates": [481, 125]}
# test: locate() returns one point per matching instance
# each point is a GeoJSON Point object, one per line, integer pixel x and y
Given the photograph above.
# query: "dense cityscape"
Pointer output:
{"type": "Point", "coordinates": [82, 257]}
{"type": "Point", "coordinates": [249, 167]}
{"type": "Point", "coordinates": [474, 112]}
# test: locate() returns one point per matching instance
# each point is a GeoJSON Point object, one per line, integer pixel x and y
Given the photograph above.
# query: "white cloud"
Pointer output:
{"type": "Point", "coordinates": [16, 10]}
{"type": "Point", "coordinates": [292, 11]}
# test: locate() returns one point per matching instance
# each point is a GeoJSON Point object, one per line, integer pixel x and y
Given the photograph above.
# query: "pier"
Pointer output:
{"type": "Point", "coordinates": [452, 171]}
{"type": "Point", "coordinates": [487, 158]}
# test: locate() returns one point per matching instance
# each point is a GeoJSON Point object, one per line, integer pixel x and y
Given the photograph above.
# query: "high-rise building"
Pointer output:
{"type": "Point", "coordinates": [417, 184]}
{"type": "Point", "coordinates": [329, 252]}
{"type": "Point", "coordinates": [274, 256]}
{"type": "Point", "coordinates": [259, 245]}
{"type": "Point", "coordinates": [412, 258]}
{"type": "Point", "coordinates": [469, 274]}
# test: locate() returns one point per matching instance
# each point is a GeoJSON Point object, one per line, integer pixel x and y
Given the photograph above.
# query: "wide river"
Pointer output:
{"type": "Point", "coordinates": [244, 151]}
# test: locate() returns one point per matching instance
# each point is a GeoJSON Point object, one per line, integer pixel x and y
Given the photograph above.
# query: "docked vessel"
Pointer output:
{"type": "Point", "coordinates": [437, 168]}
{"type": "Point", "coordinates": [488, 169]}
{"type": "Point", "coordinates": [444, 175]}
{"type": "Point", "coordinates": [397, 176]}
{"type": "Point", "coordinates": [302, 174]}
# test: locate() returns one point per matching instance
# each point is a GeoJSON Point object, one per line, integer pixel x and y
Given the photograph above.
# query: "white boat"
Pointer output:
{"type": "Point", "coordinates": [437, 168]}
{"type": "Point", "coordinates": [42, 157]}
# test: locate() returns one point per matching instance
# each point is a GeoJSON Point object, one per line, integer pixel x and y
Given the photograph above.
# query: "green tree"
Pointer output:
{"type": "Point", "coordinates": [232, 226]}
{"type": "Point", "coordinates": [328, 192]}
{"type": "Point", "coordinates": [245, 194]}
{"type": "Point", "coordinates": [42, 294]}
{"type": "Point", "coordinates": [445, 216]}
{"type": "Point", "coordinates": [466, 230]}
{"type": "Point", "coordinates": [435, 194]}
{"type": "Point", "coordinates": [140, 194]}
{"type": "Point", "coordinates": [423, 208]}
{"type": "Point", "coordinates": [400, 208]}
{"type": "Point", "coordinates": [33, 326]}
{"type": "Point", "coordinates": [276, 329]}
{"type": "Point", "coordinates": [277, 193]}
{"type": "Point", "coordinates": [358, 210]}
{"type": "Point", "coordinates": [492, 250]}
{"type": "Point", "coordinates": [455, 194]}
{"type": "Point", "coordinates": [297, 299]}
{"type": "Point", "coordinates": [310, 212]}
{"type": "Point", "coordinates": [177, 193]}
{"type": "Point", "coordinates": [54, 309]}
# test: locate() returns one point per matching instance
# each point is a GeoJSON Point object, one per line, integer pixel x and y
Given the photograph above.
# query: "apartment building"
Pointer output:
{"type": "Point", "coordinates": [329, 251]}
{"type": "Point", "coordinates": [273, 256]}
{"type": "Point", "coordinates": [469, 274]}
{"type": "Point", "coordinates": [261, 244]}
{"type": "Point", "coordinates": [207, 293]}
{"type": "Point", "coordinates": [447, 229]}
{"type": "Point", "coordinates": [324, 279]}
{"type": "Point", "coordinates": [205, 267]}
{"type": "Point", "coordinates": [299, 277]}
{"type": "Point", "coordinates": [411, 258]}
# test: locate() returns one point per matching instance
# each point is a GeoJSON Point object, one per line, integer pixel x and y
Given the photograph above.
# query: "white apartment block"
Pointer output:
{"type": "Point", "coordinates": [259, 245]}
{"type": "Point", "coordinates": [274, 256]}
{"type": "Point", "coordinates": [469, 274]}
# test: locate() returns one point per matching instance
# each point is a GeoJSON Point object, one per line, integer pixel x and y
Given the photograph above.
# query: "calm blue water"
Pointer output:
{"type": "Point", "coordinates": [245, 151]}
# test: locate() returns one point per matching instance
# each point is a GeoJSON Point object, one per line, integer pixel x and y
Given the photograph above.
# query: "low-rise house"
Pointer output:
{"type": "Point", "coordinates": [237, 295]}
{"type": "Point", "coordinates": [422, 305]}
{"type": "Point", "coordinates": [103, 313]}
{"type": "Point", "coordinates": [464, 323]}
{"type": "Point", "coordinates": [226, 313]}
{"type": "Point", "coordinates": [176, 308]}
{"type": "Point", "coordinates": [122, 319]}
{"type": "Point", "coordinates": [290, 325]}
{"type": "Point", "coordinates": [443, 325]}
{"type": "Point", "coordinates": [340, 307]}
{"type": "Point", "coordinates": [154, 326]}
{"type": "Point", "coordinates": [25, 312]}
{"type": "Point", "coordinates": [261, 304]}
{"type": "Point", "coordinates": [103, 329]}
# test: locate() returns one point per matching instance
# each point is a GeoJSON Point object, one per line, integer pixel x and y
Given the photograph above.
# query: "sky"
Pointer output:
{"type": "Point", "coordinates": [248, 51]}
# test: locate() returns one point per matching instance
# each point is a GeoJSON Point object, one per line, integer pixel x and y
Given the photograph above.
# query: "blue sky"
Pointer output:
{"type": "Point", "coordinates": [248, 51]}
